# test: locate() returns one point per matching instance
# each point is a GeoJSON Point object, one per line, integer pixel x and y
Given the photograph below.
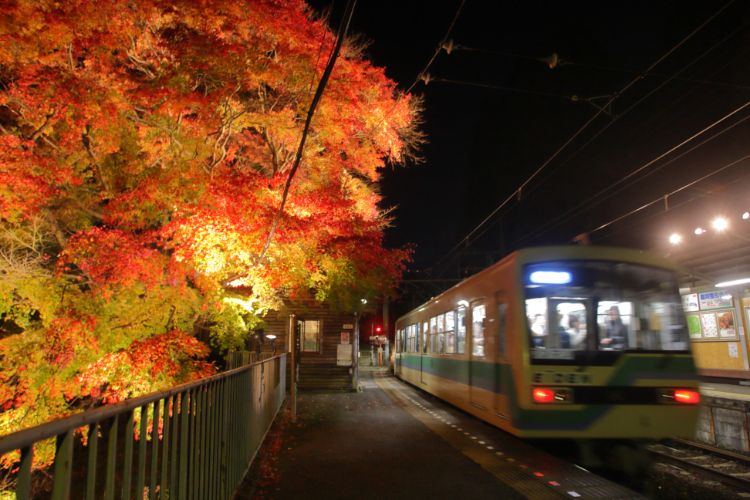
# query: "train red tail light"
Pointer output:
{"type": "Point", "coordinates": [543, 395]}
{"type": "Point", "coordinates": [687, 397]}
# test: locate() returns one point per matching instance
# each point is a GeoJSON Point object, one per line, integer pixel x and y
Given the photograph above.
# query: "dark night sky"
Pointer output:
{"type": "Point", "coordinates": [484, 142]}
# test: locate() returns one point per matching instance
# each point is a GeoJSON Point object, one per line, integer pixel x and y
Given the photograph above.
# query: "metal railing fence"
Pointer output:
{"type": "Point", "coordinates": [194, 441]}
{"type": "Point", "coordinates": [235, 359]}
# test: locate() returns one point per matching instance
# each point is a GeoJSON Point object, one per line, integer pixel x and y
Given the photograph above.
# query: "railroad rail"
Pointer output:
{"type": "Point", "coordinates": [731, 469]}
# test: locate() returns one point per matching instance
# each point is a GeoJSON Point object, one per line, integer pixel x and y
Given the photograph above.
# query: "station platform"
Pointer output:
{"type": "Point", "coordinates": [740, 392]}
{"type": "Point", "coordinates": [392, 441]}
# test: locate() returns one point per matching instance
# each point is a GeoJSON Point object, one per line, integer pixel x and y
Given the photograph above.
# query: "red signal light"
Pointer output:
{"type": "Point", "coordinates": [378, 329]}
{"type": "Point", "coordinates": [543, 395]}
{"type": "Point", "coordinates": [687, 397]}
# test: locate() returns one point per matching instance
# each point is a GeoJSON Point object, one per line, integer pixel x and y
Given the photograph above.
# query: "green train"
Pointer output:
{"type": "Point", "coordinates": [559, 342]}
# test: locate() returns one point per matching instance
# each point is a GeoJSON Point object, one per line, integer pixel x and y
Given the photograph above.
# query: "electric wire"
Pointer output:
{"type": "Point", "coordinates": [632, 182]}
{"type": "Point", "coordinates": [675, 206]}
{"type": "Point", "coordinates": [535, 173]}
{"type": "Point", "coordinates": [439, 47]}
{"type": "Point", "coordinates": [571, 212]}
{"type": "Point", "coordinates": [608, 192]}
{"type": "Point", "coordinates": [566, 62]}
{"type": "Point", "coordinates": [671, 193]}
{"type": "Point", "coordinates": [343, 29]}
{"type": "Point", "coordinates": [503, 87]}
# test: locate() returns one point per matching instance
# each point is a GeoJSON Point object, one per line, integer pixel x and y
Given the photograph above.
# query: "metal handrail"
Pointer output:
{"type": "Point", "coordinates": [24, 437]}
{"type": "Point", "coordinates": [210, 414]}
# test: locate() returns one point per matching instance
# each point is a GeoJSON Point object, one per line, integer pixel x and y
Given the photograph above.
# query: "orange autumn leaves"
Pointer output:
{"type": "Point", "coordinates": [144, 146]}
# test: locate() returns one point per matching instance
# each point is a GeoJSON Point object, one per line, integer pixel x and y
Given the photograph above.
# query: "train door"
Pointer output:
{"type": "Point", "coordinates": [503, 365]}
{"type": "Point", "coordinates": [423, 347]}
{"type": "Point", "coordinates": [480, 365]}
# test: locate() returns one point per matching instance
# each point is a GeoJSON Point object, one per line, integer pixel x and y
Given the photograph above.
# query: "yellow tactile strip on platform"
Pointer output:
{"type": "Point", "coordinates": [546, 481]}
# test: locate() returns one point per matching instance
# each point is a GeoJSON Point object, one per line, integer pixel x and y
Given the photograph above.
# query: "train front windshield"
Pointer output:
{"type": "Point", "coordinates": [580, 311]}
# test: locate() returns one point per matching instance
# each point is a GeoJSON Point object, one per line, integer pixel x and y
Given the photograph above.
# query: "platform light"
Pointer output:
{"type": "Point", "coordinates": [699, 230]}
{"type": "Point", "coordinates": [364, 301]}
{"type": "Point", "coordinates": [675, 238]}
{"type": "Point", "coordinates": [271, 337]}
{"type": "Point", "coordinates": [746, 216]}
{"type": "Point", "coordinates": [720, 224]}
{"type": "Point", "coordinates": [725, 284]}
{"type": "Point", "coordinates": [550, 277]}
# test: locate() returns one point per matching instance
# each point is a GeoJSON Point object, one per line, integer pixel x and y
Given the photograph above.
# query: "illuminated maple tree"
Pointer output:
{"type": "Point", "coordinates": [144, 146]}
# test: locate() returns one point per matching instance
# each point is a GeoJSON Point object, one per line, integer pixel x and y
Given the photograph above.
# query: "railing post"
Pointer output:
{"type": "Point", "coordinates": [155, 450]}
{"type": "Point", "coordinates": [23, 484]}
{"type": "Point", "coordinates": [63, 466]}
{"type": "Point", "coordinates": [140, 480]}
{"type": "Point", "coordinates": [164, 485]}
{"type": "Point", "coordinates": [184, 445]}
{"type": "Point", "coordinates": [93, 450]}
{"type": "Point", "coordinates": [127, 472]}
{"type": "Point", "coordinates": [109, 482]}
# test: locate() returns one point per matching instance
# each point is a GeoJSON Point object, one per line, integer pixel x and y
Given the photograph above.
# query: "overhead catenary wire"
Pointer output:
{"type": "Point", "coordinates": [554, 61]}
{"type": "Point", "coordinates": [587, 206]}
{"type": "Point", "coordinates": [576, 210]}
{"type": "Point", "coordinates": [342, 31]}
{"type": "Point", "coordinates": [504, 88]}
{"type": "Point", "coordinates": [567, 214]}
{"type": "Point", "coordinates": [674, 206]}
{"type": "Point", "coordinates": [671, 193]}
{"type": "Point", "coordinates": [610, 190]}
{"type": "Point", "coordinates": [517, 192]}
{"type": "Point", "coordinates": [439, 47]}
{"type": "Point", "coordinates": [561, 218]}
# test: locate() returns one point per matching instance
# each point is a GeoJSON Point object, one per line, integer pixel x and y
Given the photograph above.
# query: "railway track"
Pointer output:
{"type": "Point", "coordinates": [730, 469]}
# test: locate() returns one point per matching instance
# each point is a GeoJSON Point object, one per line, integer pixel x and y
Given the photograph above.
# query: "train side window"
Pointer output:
{"type": "Point", "coordinates": [450, 332]}
{"type": "Point", "coordinates": [502, 320]}
{"type": "Point", "coordinates": [478, 315]}
{"type": "Point", "coordinates": [425, 336]}
{"type": "Point", "coordinates": [441, 333]}
{"type": "Point", "coordinates": [461, 330]}
{"type": "Point", "coordinates": [433, 334]}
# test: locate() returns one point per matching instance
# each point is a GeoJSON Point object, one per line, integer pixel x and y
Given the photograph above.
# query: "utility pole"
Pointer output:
{"type": "Point", "coordinates": [386, 309]}
{"type": "Point", "coordinates": [293, 348]}
{"type": "Point", "coordinates": [355, 353]}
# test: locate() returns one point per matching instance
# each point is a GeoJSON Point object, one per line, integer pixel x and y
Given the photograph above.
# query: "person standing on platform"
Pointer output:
{"type": "Point", "coordinates": [380, 354]}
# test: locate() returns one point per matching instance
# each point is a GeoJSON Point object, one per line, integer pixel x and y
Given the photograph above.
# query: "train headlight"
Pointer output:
{"type": "Point", "coordinates": [551, 395]}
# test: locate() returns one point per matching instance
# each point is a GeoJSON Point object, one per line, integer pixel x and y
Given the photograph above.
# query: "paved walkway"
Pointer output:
{"type": "Point", "coordinates": [391, 441]}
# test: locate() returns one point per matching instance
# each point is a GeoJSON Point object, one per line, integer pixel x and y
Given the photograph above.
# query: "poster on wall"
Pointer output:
{"type": "Point", "coordinates": [714, 300]}
{"type": "Point", "coordinates": [709, 326]}
{"type": "Point", "coordinates": [725, 319]}
{"type": "Point", "coordinates": [690, 302]}
{"type": "Point", "coordinates": [732, 346]}
{"type": "Point", "coordinates": [694, 326]}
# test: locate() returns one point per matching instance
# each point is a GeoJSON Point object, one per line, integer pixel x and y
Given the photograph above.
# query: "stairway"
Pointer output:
{"type": "Point", "coordinates": [324, 378]}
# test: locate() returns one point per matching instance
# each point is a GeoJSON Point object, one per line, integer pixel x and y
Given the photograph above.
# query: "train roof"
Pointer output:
{"type": "Point", "coordinates": [566, 252]}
